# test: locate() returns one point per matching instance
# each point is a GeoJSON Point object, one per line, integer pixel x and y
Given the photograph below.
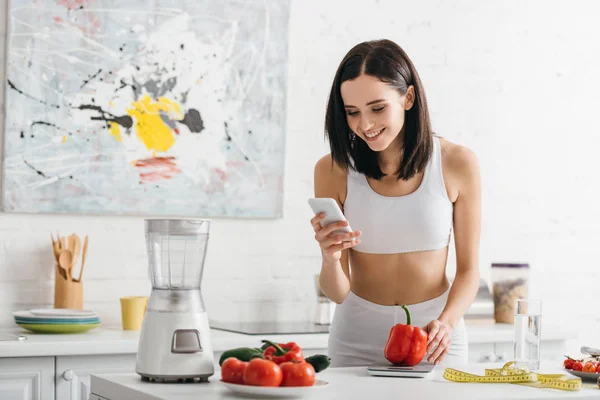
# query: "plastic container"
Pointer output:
{"type": "Point", "coordinates": [510, 281]}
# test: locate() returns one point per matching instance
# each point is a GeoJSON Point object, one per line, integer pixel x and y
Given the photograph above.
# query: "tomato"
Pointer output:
{"type": "Point", "coordinates": [232, 370]}
{"type": "Point", "coordinates": [297, 374]}
{"type": "Point", "coordinates": [589, 367]}
{"type": "Point", "coordinates": [577, 366]}
{"type": "Point", "coordinates": [598, 368]}
{"type": "Point", "coordinates": [568, 364]}
{"type": "Point", "coordinates": [260, 372]}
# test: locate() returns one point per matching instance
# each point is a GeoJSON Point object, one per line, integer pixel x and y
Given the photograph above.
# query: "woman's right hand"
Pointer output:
{"type": "Point", "coordinates": [333, 244]}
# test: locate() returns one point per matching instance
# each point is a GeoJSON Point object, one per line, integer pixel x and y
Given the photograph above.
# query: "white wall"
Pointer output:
{"type": "Point", "coordinates": [517, 81]}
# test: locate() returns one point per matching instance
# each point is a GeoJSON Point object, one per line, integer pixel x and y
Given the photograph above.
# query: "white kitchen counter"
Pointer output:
{"type": "Point", "coordinates": [116, 341]}
{"type": "Point", "coordinates": [343, 383]}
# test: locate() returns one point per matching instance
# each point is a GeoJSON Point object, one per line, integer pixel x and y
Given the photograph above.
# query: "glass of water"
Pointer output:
{"type": "Point", "coordinates": [528, 320]}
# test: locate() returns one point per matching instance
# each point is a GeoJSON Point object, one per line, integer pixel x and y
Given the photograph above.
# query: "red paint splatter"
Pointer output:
{"type": "Point", "coordinates": [70, 4]}
{"type": "Point", "coordinates": [157, 168]}
{"type": "Point", "coordinates": [222, 174]}
{"type": "Point", "coordinates": [176, 130]}
{"type": "Point", "coordinates": [91, 27]}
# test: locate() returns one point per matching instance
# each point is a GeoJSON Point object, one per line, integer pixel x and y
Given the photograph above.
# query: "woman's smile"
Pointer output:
{"type": "Point", "coordinates": [372, 136]}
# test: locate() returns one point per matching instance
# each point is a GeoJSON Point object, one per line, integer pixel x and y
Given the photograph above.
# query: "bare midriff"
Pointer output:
{"type": "Point", "coordinates": [396, 279]}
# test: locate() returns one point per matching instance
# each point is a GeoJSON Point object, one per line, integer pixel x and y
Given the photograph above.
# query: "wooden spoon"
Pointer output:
{"type": "Point", "coordinates": [83, 254]}
{"type": "Point", "coordinates": [76, 249]}
{"type": "Point", "coordinates": [55, 246]}
{"type": "Point", "coordinates": [65, 260]}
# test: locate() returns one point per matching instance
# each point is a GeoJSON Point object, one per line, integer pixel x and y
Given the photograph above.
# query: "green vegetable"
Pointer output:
{"type": "Point", "coordinates": [241, 353]}
{"type": "Point", "coordinates": [319, 362]}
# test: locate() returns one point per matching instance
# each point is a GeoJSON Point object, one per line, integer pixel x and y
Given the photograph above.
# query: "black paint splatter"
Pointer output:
{"type": "Point", "coordinates": [49, 124]}
{"type": "Point", "coordinates": [35, 169]}
{"type": "Point", "coordinates": [92, 77]}
{"type": "Point", "coordinates": [13, 87]}
{"type": "Point", "coordinates": [227, 131]}
{"type": "Point", "coordinates": [193, 121]}
{"type": "Point", "coordinates": [125, 121]}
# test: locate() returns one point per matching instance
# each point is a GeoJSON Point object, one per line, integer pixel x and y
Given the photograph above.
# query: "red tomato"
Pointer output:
{"type": "Point", "coordinates": [297, 374]}
{"type": "Point", "coordinates": [568, 364]}
{"type": "Point", "coordinates": [589, 367]}
{"type": "Point", "coordinates": [260, 372]}
{"type": "Point", "coordinates": [577, 366]}
{"type": "Point", "coordinates": [598, 368]}
{"type": "Point", "coordinates": [232, 370]}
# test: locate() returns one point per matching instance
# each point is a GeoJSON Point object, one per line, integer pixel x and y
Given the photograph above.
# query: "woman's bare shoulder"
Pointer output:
{"type": "Point", "coordinates": [458, 158]}
{"type": "Point", "coordinates": [326, 167]}
{"type": "Point", "coordinates": [330, 179]}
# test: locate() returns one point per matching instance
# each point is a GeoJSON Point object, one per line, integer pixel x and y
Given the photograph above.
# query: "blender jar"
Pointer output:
{"type": "Point", "coordinates": [176, 254]}
{"type": "Point", "coordinates": [509, 282]}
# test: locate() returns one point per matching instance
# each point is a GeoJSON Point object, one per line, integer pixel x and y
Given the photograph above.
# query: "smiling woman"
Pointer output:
{"type": "Point", "coordinates": [404, 190]}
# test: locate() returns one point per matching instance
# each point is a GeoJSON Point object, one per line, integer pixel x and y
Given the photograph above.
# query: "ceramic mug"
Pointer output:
{"type": "Point", "coordinates": [133, 309]}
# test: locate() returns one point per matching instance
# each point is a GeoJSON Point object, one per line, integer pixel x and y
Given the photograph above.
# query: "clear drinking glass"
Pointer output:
{"type": "Point", "coordinates": [528, 329]}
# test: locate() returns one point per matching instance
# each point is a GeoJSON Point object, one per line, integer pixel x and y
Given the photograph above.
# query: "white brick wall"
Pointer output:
{"type": "Point", "coordinates": [516, 81]}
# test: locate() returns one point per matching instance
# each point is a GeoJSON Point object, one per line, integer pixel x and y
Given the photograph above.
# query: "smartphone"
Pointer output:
{"type": "Point", "coordinates": [332, 212]}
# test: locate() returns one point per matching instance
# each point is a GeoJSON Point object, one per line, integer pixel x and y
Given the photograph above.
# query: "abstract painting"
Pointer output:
{"type": "Point", "coordinates": [146, 107]}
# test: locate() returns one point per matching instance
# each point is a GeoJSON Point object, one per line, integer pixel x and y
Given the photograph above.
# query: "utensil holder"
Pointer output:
{"type": "Point", "coordinates": [67, 294]}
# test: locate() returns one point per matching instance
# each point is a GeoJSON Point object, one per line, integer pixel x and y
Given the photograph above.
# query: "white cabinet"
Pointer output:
{"type": "Point", "coordinates": [73, 372]}
{"type": "Point", "coordinates": [27, 378]}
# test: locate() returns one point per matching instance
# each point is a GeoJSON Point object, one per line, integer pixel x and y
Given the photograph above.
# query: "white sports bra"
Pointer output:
{"type": "Point", "coordinates": [421, 220]}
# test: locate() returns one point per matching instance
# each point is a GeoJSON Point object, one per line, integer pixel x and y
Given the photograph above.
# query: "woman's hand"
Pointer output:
{"type": "Point", "coordinates": [440, 336]}
{"type": "Point", "coordinates": [332, 245]}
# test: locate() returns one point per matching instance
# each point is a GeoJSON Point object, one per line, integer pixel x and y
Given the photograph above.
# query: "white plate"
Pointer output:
{"type": "Point", "coordinates": [588, 376]}
{"type": "Point", "coordinates": [27, 314]}
{"type": "Point", "coordinates": [62, 312]}
{"type": "Point", "coordinates": [278, 392]}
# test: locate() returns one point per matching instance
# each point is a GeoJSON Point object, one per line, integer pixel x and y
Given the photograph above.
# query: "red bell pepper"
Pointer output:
{"type": "Point", "coordinates": [406, 344]}
{"type": "Point", "coordinates": [282, 352]}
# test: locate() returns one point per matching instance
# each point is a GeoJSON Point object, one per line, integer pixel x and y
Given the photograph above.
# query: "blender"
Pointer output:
{"type": "Point", "coordinates": [174, 343]}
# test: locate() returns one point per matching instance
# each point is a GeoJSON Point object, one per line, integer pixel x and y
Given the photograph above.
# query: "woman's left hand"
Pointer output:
{"type": "Point", "coordinates": [440, 334]}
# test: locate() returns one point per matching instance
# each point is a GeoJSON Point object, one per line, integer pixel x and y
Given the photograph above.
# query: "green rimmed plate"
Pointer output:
{"type": "Point", "coordinates": [48, 328]}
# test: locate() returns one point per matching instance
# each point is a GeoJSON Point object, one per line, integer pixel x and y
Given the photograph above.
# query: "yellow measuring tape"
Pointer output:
{"type": "Point", "coordinates": [508, 374]}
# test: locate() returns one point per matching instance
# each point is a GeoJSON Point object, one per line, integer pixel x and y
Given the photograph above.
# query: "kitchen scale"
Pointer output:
{"type": "Point", "coordinates": [175, 343]}
{"type": "Point", "coordinates": [421, 370]}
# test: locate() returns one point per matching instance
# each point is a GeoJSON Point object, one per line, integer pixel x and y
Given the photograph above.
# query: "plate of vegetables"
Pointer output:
{"type": "Point", "coordinates": [587, 368]}
{"type": "Point", "coordinates": [272, 370]}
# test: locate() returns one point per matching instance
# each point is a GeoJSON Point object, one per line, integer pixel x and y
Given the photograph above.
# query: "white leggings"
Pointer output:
{"type": "Point", "coordinates": [360, 329]}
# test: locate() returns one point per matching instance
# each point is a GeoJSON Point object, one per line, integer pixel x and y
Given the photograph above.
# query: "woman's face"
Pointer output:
{"type": "Point", "coordinates": [374, 110]}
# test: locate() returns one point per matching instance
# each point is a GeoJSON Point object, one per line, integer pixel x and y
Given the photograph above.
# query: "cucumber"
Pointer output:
{"type": "Point", "coordinates": [320, 362]}
{"type": "Point", "coordinates": [241, 353]}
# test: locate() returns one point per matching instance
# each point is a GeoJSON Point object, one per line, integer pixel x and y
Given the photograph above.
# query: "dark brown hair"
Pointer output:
{"type": "Point", "coordinates": [386, 61]}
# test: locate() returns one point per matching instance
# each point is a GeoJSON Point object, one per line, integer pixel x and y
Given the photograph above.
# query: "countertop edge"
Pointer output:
{"type": "Point", "coordinates": [112, 340]}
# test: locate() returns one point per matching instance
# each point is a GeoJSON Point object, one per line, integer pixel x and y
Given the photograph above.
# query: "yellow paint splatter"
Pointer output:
{"type": "Point", "coordinates": [64, 139]}
{"type": "Point", "coordinates": [150, 128]}
{"type": "Point", "coordinates": [114, 129]}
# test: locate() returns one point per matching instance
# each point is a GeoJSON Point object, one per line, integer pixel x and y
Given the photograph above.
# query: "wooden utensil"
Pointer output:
{"type": "Point", "coordinates": [71, 242]}
{"type": "Point", "coordinates": [65, 260]}
{"type": "Point", "coordinates": [55, 248]}
{"type": "Point", "coordinates": [85, 246]}
{"type": "Point", "coordinates": [76, 249]}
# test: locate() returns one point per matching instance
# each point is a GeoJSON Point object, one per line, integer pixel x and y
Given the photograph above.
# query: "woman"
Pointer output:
{"type": "Point", "coordinates": [403, 190]}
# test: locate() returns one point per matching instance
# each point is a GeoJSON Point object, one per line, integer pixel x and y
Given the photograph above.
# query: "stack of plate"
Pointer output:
{"type": "Point", "coordinates": [57, 320]}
